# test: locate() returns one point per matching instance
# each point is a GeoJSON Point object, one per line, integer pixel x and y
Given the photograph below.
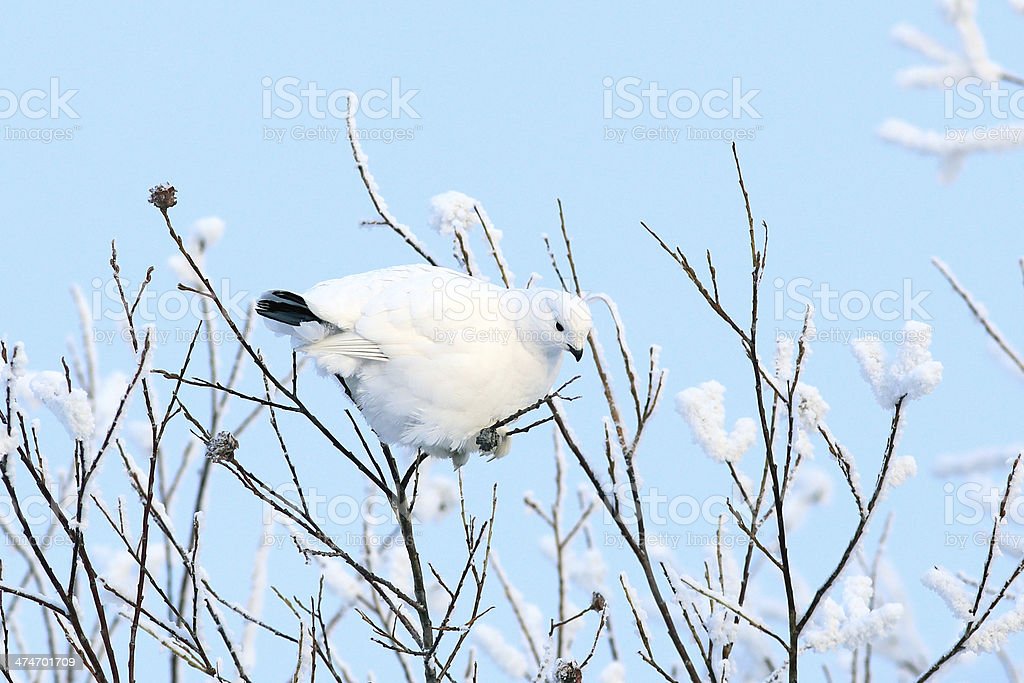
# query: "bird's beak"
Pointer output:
{"type": "Point", "coordinates": [576, 353]}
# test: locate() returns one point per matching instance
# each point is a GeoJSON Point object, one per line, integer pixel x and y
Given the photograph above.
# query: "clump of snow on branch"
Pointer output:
{"type": "Point", "coordinates": [509, 659]}
{"type": "Point", "coordinates": [615, 672]}
{"type": "Point", "coordinates": [8, 444]}
{"type": "Point", "coordinates": [341, 582]}
{"type": "Point", "coordinates": [436, 498]}
{"type": "Point", "coordinates": [972, 59]}
{"type": "Point", "coordinates": [952, 591]}
{"type": "Point", "coordinates": [587, 570]}
{"type": "Point", "coordinates": [71, 407]}
{"type": "Point", "coordinates": [452, 215]}
{"type": "Point", "coordinates": [913, 374]}
{"type": "Point", "coordinates": [979, 460]}
{"type": "Point", "coordinates": [811, 407]}
{"type": "Point", "coordinates": [951, 147]}
{"type": "Point", "coordinates": [453, 212]}
{"type": "Point", "coordinates": [785, 351]}
{"type": "Point", "coordinates": [946, 68]}
{"type": "Point", "coordinates": [811, 488]}
{"type": "Point", "coordinates": [901, 469]}
{"type": "Point", "coordinates": [853, 623]}
{"type": "Point", "coordinates": [721, 624]}
{"type": "Point", "coordinates": [19, 360]}
{"type": "Point", "coordinates": [904, 643]}
{"type": "Point", "coordinates": [993, 634]}
{"type": "Point", "coordinates": [703, 408]}
{"type": "Point", "coordinates": [208, 230]}
{"type": "Point", "coordinates": [121, 571]}
{"type": "Point", "coordinates": [14, 374]}
{"type": "Point", "coordinates": [533, 618]}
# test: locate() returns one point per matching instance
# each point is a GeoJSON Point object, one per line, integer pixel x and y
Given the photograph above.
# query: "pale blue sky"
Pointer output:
{"type": "Point", "coordinates": [510, 111]}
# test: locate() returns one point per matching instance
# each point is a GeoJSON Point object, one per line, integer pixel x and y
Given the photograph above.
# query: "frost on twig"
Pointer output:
{"type": "Point", "coordinates": [980, 314]}
{"type": "Point", "coordinates": [69, 404]}
{"type": "Point", "coordinates": [913, 374]}
{"type": "Point", "coordinates": [703, 408]}
{"type": "Point", "coordinates": [853, 622]}
{"type": "Point", "coordinates": [455, 216]}
{"type": "Point", "coordinates": [953, 70]}
{"type": "Point", "coordinates": [420, 602]}
{"type": "Point", "coordinates": [952, 591]}
{"type": "Point", "coordinates": [385, 217]}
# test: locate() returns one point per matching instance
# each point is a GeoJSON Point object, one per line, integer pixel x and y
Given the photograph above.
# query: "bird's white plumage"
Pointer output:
{"type": "Point", "coordinates": [433, 356]}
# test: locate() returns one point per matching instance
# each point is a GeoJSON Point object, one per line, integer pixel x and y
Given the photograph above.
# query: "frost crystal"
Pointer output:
{"type": "Point", "coordinates": [703, 408]}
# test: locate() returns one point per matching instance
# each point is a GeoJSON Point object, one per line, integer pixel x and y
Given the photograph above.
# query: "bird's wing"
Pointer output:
{"type": "Point", "coordinates": [344, 301]}
{"type": "Point", "coordinates": [357, 305]}
{"type": "Point", "coordinates": [346, 344]}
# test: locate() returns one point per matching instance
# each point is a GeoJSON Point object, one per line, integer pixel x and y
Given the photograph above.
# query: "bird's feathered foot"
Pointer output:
{"type": "Point", "coordinates": [494, 441]}
{"type": "Point", "coordinates": [487, 439]}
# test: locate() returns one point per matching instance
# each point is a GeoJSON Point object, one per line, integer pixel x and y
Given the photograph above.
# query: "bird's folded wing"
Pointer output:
{"type": "Point", "coordinates": [346, 344]}
{"type": "Point", "coordinates": [344, 301]}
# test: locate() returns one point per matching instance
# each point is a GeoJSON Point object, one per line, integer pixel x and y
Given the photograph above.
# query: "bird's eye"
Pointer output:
{"type": "Point", "coordinates": [558, 326]}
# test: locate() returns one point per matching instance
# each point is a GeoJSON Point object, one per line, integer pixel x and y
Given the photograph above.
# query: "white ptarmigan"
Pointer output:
{"type": "Point", "coordinates": [433, 357]}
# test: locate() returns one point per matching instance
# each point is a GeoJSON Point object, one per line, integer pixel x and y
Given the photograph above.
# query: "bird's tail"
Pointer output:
{"type": "Point", "coordinates": [285, 307]}
{"type": "Point", "coordinates": [335, 351]}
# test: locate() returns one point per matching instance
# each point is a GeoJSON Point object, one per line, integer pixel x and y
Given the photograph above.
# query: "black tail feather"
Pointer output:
{"type": "Point", "coordinates": [285, 307]}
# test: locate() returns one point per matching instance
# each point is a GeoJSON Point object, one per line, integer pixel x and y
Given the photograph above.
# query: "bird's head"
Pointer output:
{"type": "Point", "coordinates": [559, 321]}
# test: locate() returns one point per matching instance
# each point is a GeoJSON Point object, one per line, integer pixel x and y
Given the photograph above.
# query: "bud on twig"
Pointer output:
{"type": "Point", "coordinates": [221, 448]}
{"type": "Point", "coordinates": [163, 197]}
{"type": "Point", "coordinates": [568, 672]}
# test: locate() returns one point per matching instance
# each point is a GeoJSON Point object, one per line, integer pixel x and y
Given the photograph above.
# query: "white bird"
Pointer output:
{"type": "Point", "coordinates": [433, 358]}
